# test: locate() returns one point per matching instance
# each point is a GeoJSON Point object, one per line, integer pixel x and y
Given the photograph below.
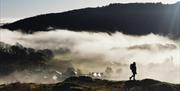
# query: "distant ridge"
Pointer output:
{"type": "Point", "coordinates": [132, 18]}
{"type": "Point", "coordinates": [1, 24]}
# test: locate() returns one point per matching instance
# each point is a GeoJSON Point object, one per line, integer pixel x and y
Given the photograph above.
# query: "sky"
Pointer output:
{"type": "Point", "coordinates": [11, 10]}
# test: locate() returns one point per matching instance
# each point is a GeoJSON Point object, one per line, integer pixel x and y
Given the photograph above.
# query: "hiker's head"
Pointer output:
{"type": "Point", "coordinates": [134, 62]}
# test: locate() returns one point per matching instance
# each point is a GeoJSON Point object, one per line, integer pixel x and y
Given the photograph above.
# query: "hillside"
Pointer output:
{"type": "Point", "coordinates": [83, 83]}
{"type": "Point", "coordinates": [133, 18]}
{"type": "Point", "coordinates": [19, 58]}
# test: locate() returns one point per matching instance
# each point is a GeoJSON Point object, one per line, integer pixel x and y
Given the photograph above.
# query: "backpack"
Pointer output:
{"type": "Point", "coordinates": [131, 66]}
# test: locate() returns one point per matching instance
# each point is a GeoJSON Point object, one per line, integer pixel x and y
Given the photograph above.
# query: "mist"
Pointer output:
{"type": "Point", "coordinates": [157, 56]}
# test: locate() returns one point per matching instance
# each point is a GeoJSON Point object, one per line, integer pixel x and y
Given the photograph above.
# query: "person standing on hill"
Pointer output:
{"type": "Point", "coordinates": [133, 69]}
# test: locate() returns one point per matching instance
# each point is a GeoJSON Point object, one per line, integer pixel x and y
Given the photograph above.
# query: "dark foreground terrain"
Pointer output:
{"type": "Point", "coordinates": [83, 83]}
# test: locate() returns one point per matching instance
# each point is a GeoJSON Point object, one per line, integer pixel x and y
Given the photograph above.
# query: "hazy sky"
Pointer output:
{"type": "Point", "coordinates": [15, 9]}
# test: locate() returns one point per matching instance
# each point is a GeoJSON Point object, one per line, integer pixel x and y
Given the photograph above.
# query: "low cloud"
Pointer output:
{"type": "Point", "coordinates": [155, 47]}
{"type": "Point", "coordinates": [96, 51]}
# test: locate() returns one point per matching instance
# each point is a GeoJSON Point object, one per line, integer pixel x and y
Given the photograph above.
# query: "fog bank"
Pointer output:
{"type": "Point", "coordinates": [156, 56]}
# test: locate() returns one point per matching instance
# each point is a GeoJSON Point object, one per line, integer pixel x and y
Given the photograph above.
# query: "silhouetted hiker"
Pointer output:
{"type": "Point", "coordinates": [133, 69]}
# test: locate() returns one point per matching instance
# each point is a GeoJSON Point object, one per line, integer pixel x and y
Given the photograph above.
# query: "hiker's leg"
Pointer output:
{"type": "Point", "coordinates": [134, 77]}
{"type": "Point", "coordinates": [130, 77]}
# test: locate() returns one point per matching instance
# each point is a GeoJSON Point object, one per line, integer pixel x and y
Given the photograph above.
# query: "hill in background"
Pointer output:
{"type": "Point", "coordinates": [133, 18]}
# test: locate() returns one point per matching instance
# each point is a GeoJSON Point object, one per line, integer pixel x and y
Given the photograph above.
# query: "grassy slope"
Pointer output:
{"type": "Point", "coordinates": [89, 84]}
